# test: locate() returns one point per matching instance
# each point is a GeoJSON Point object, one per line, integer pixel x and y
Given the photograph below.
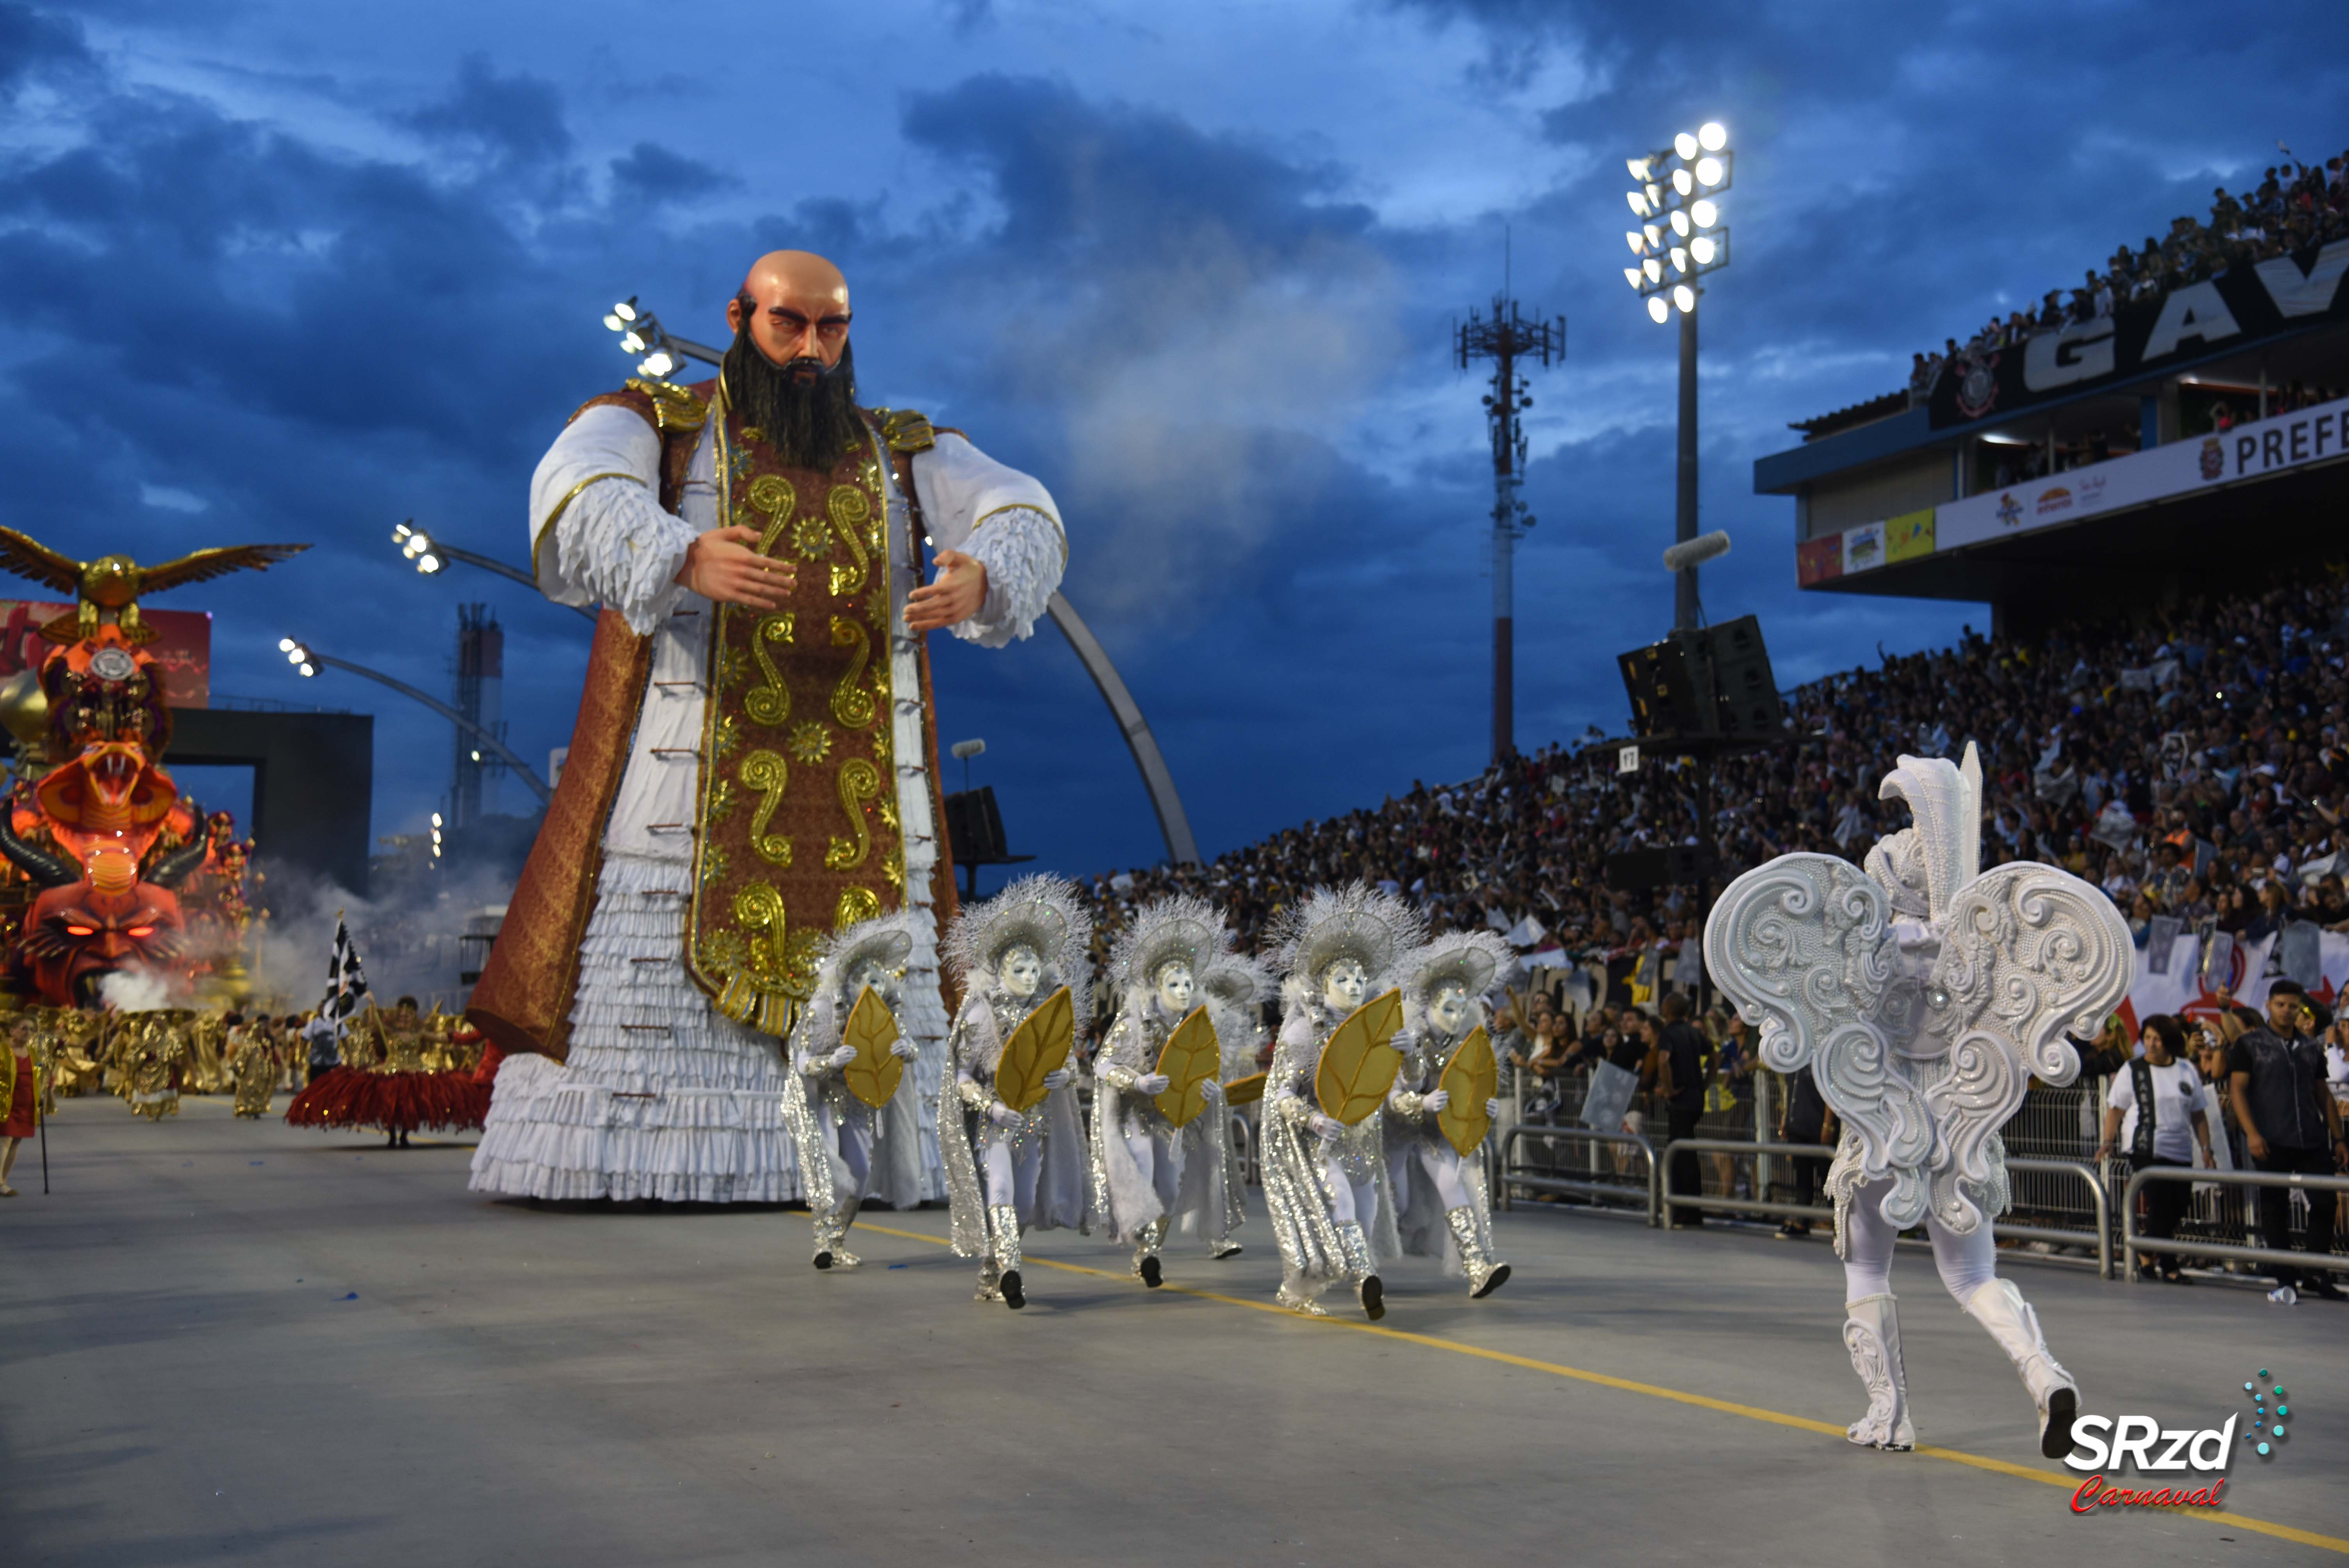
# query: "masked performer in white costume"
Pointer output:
{"type": "Point", "coordinates": [1924, 995]}
{"type": "Point", "coordinates": [1235, 986]}
{"type": "Point", "coordinates": [1148, 1173]}
{"type": "Point", "coordinates": [754, 764]}
{"type": "Point", "coordinates": [1325, 1184]}
{"type": "Point", "coordinates": [1443, 1209]}
{"type": "Point", "coordinates": [833, 1131]}
{"type": "Point", "coordinates": [1008, 1171]}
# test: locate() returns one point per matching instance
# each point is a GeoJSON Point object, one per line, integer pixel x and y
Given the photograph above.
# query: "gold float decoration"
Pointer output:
{"type": "Point", "coordinates": [871, 1028]}
{"type": "Point", "coordinates": [859, 782]}
{"type": "Point", "coordinates": [1471, 1079]}
{"type": "Point", "coordinates": [1037, 1048]}
{"type": "Point", "coordinates": [851, 705]}
{"type": "Point", "coordinates": [1358, 1066]}
{"type": "Point", "coordinates": [850, 510]}
{"type": "Point", "coordinates": [1246, 1090]}
{"type": "Point", "coordinates": [1190, 1056]}
{"type": "Point", "coordinates": [767, 774]}
{"type": "Point", "coordinates": [770, 701]}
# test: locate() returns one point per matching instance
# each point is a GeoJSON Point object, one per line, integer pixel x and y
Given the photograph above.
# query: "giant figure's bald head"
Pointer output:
{"type": "Point", "coordinates": [796, 304]}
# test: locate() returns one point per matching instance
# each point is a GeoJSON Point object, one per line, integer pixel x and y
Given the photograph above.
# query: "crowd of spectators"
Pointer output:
{"type": "Point", "coordinates": [2294, 206]}
{"type": "Point", "coordinates": [2195, 765]}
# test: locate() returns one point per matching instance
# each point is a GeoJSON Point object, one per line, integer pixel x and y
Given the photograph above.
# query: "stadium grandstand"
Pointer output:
{"type": "Point", "coordinates": [2181, 420]}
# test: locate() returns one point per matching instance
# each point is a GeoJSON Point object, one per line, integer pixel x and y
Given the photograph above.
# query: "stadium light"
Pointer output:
{"type": "Point", "coordinates": [642, 335]}
{"type": "Point", "coordinates": [1677, 190]}
{"type": "Point", "coordinates": [309, 662]}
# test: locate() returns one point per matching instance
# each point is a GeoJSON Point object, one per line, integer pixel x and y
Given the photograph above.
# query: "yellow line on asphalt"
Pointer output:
{"type": "Point", "coordinates": [1655, 1391]}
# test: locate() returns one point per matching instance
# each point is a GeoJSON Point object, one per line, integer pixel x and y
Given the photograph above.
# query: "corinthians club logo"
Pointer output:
{"type": "Point", "coordinates": [1977, 391]}
{"type": "Point", "coordinates": [2010, 510]}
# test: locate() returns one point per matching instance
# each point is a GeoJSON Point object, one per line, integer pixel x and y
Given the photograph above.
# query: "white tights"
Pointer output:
{"type": "Point", "coordinates": [1154, 1158]}
{"type": "Point", "coordinates": [1350, 1200]}
{"type": "Point", "coordinates": [1443, 1167]}
{"type": "Point", "coordinates": [1967, 1263]}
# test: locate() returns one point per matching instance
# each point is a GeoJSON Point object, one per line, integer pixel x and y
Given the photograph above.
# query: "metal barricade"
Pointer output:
{"type": "Point", "coordinates": [2078, 1169]}
{"type": "Point", "coordinates": [1514, 1175]}
{"type": "Point", "coordinates": [1243, 1136]}
{"type": "Point", "coordinates": [2133, 1241]}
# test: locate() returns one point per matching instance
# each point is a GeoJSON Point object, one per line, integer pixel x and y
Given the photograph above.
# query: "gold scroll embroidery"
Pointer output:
{"type": "Point", "coordinates": [859, 782]}
{"type": "Point", "coordinates": [766, 773]}
{"type": "Point", "coordinates": [856, 903]}
{"type": "Point", "coordinates": [770, 701]}
{"type": "Point", "coordinates": [851, 705]}
{"type": "Point", "coordinates": [850, 513]}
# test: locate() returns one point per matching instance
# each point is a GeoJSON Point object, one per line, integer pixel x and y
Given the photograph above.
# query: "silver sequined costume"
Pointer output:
{"type": "Point", "coordinates": [1005, 1179]}
{"type": "Point", "coordinates": [1924, 995]}
{"type": "Point", "coordinates": [1149, 1176]}
{"type": "Point", "coordinates": [1237, 988]}
{"type": "Point", "coordinates": [1445, 1208]}
{"type": "Point", "coordinates": [834, 1133]}
{"type": "Point", "coordinates": [1315, 1189]}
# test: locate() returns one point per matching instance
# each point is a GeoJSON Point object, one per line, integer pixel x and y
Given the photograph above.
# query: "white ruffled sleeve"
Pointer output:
{"type": "Point", "coordinates": [1002, 519]}
{"type": "Point", "coordinates": [597, 530]}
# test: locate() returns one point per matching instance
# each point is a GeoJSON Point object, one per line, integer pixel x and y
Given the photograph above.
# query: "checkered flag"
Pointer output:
{"type": "Point", "coordinates": [346, 985]}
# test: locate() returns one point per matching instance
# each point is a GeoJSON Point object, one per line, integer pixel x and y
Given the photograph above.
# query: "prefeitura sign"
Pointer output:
{"type": "Point", "coordinates": [2252, 451]}
{"type": "Point", "coordinates": [2281, 294]}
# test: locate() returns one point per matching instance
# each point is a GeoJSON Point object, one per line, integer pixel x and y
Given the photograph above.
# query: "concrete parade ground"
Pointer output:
{"type": "Point", "coordinates": [227, 1342]}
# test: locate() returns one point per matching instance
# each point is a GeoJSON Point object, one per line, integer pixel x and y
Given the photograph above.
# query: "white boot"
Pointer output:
{"type": "Point", "coordinates": [2000, 1307]}
{"type": "Point", "coordinates": [1871, 1332]}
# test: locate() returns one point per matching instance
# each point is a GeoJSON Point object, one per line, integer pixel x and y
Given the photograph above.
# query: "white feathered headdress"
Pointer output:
{"type": "Point", "coordinates": [1180, 928]}
{"type": "Point", "coordinates": [1374, 929]}
{"type": "Point", "coordinates": [1042, 913]}
{"type": "Point", "coordinates": [1472, 960]}
{"type": "Point", "coordinates": [887, 942]}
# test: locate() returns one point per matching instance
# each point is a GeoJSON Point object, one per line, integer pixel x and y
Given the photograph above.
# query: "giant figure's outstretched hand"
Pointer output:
{"type": "Point", "coordinates": [724, 566]}
{"type": "Point", "coordinates": [953, 596]}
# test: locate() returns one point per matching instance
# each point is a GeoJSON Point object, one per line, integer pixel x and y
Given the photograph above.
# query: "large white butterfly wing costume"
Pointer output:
{"type": "Point", "coordinates": [1924, 995]}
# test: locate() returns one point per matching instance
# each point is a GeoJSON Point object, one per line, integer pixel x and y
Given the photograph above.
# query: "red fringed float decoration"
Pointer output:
{"type": "Point", "coordinates": [348, 1099]}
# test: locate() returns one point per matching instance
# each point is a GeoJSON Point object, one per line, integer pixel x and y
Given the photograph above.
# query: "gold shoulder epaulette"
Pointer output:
{"type": "Point", "coordinates": [906, 431]}
{"type": "Point", "coordinates": [676, 407]}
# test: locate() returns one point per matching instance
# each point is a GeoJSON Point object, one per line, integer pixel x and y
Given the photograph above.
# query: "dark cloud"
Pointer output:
{"type": "Point", "coordinates": [518, 118]}
{"type": "Point", "coordinates": [653, 175]}
{"type": "Point", "coordinates": [34, 43]}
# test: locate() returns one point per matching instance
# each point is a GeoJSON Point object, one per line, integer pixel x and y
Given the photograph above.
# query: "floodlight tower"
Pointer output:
{"type": "Point", "coordinates": [1680, 239]}
{"type": "Point", "coordinates": [1506, 339]}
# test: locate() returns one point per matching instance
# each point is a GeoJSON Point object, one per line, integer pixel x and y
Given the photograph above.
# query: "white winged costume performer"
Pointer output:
{"type": "Point", "coordinates": [1924, 994]}
{"type": "Point", "coordinates": [834, 1131]}
{"type": "Point", "coordinates": [1325, 1184]}
{"type": "Point", "coordinates": [1148, 1172]}
{"type": "Point", "coordinates": [1007, 1169]}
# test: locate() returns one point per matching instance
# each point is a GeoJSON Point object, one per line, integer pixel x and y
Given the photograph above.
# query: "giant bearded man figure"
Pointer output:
{"type": "Point", "coordinates": [754, 765]}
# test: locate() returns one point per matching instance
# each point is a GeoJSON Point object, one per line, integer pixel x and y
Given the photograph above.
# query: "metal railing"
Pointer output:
{"type": "Point", "coordinates": [2078, 1169]}
{"type": "Point", "coordinates": [1243, 1135]}
{"type": "Point", "coordinates": [2134, 1240]}
{"type": "Point", "coordinates": [1545, 1180]}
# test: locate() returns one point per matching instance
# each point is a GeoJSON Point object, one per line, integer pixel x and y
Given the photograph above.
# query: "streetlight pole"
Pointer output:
{"type": "Point", "coordinates": [309, 661]}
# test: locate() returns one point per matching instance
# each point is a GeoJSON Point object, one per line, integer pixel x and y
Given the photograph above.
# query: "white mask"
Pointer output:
{"type": "Point", "coordinates": [1021, 971]}
{"type": "Point", "coordinates": [1344, 986]}
{"type": "Point", "coordinates": [1175, 988]}
{"type": "Point", "coordinates": [1449, 1010]}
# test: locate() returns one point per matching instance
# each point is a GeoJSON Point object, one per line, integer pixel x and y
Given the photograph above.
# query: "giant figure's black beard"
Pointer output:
{"type": "Point", "coordinates": [810, 424]}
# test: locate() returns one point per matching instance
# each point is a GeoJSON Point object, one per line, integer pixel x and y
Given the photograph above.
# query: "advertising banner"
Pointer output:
{"type": "Point", "coordinates": [2271, 445]}
{"type": "Point", "coordinates": [2281, 294]}
{"type": "Point", "coordinates": [182, 646]}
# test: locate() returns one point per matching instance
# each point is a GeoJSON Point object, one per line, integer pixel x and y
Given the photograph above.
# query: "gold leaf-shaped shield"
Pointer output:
{"type": "Point", "coordinates": [1358, 1064]}
{"type": "Point", "coordinates": [871, 1028]}
{"type": "Point", "coordinates": [1041, 1045]}
{"type": "Point", "coordinates": [1190, 1056]}
{"type": "Point", "coordinates": [1246, 1091]}
{"type": "Point", "coordinates": [1470, 1079]}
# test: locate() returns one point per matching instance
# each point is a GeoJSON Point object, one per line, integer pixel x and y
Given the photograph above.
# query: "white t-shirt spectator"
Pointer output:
{"type": "Point", "coordinates": [2177, 1094]}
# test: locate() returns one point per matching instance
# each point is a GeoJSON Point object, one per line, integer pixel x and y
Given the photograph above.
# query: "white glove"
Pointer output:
{"type": "Point", "coordinates": [904, 1050]}
{"type": "Point", "coordinates": [1491, 1110]}
{"type": "Point", "coordinates": [1210, 1089]}
{"type": "Point", "coordinates": [843, 1056]}
{"type": "Point", "coordinates": [1003, 1115]}
{"type": "Point", "coordinates": [1328, 1128]}
{"type": "Point", "coordinates": [1057, 1078]}
{"type": "Point", "coordinates": [1150, 1083]}
{"type": "Point", "coordinates": [1434, 1100]}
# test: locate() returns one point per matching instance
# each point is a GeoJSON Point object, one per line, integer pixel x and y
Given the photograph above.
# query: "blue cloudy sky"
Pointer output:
{"type": "Point", "coordinates": [291, 272]}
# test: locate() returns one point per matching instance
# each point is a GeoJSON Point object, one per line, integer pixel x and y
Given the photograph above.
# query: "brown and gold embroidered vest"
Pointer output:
{"type": "Point", "coordinates": [798, 831]}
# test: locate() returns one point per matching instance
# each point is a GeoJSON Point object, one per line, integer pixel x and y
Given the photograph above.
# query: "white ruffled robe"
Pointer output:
{"type": "Point", "coordinates": [662, 1096]}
